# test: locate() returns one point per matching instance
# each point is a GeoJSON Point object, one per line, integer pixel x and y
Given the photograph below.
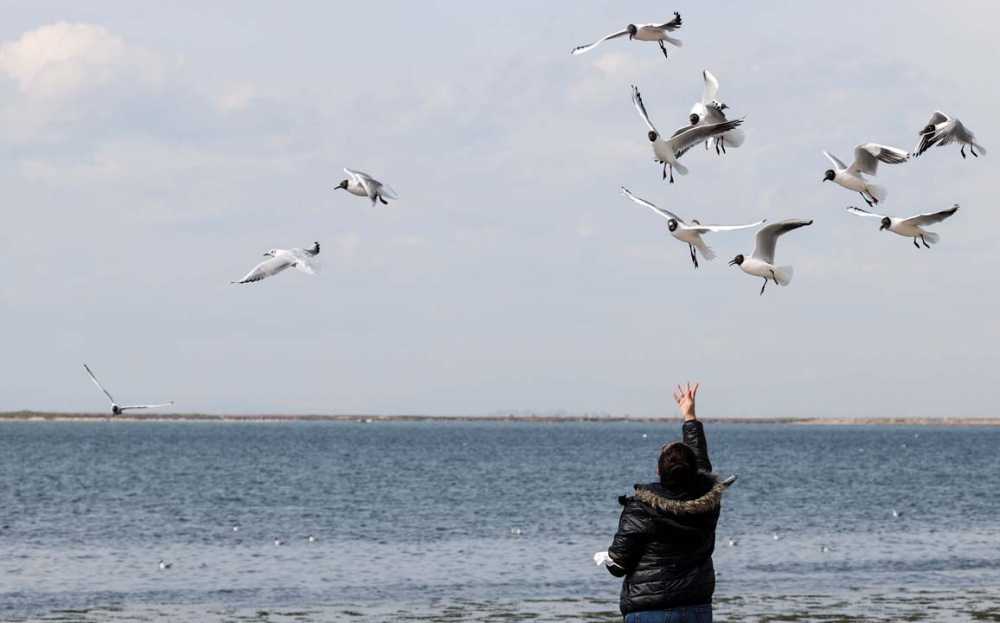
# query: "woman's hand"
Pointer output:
{"type": "Point", "coordinates": [685, 400]}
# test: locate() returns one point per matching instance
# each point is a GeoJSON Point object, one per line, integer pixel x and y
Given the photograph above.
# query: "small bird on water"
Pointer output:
{"type": "Point", "coordinates": [165, 565]}
{"type": "Point", "coordinates": [278, 542]}
{"type": "Point", "coordinates": [733, 542]}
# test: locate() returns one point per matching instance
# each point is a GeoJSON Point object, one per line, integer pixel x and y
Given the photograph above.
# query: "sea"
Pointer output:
{"type": "Point", "coordinates": [490, 521]}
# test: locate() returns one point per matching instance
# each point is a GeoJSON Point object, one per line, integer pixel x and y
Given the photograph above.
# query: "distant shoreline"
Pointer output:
{"type": "Point", "coordinates": [34, 416]}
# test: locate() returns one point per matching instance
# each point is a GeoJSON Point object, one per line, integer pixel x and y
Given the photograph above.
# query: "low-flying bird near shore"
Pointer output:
{"type": "Point", "coordinates": [911, 227]}
{"type": "Point", "coordinates": [115, 409]}
{"type": "Point", "coordinates": [642, 32]}
{"type": "Point", "coordinates": [364, 185]}
{"type": "Point", "coordinates": [761, 261]}
{"type": "Point", "coordinates": [303, 259]}
{"type": "Point", "coordinates": [670, 150]}
{"type": "Point", "coordinates": [688, 233]}
{"type": "Point", "coordinates": [709, 110]}
{"type": "Point", "coordinates": [866, 159]}
{"type": "Point", "coordinates": [943, 130]}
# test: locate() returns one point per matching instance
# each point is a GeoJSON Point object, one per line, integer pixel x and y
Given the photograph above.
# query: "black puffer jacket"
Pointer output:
{"type": "Point", "coordinates": [665, 539]}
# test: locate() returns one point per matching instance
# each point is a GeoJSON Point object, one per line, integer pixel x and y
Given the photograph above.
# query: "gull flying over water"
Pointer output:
{"type": "Point", "coordinates": [761, 261]}
{"type": "Point", "coordinates": [642, 32]}
{"type": "Point", "coordinates": [691, 234]}
{"type": "Point", "coordinates": [709, 110]}
{"type": "Point", "coordinates": [115, 409]}
{"type": "Point", "coordinates": [910, 227]}
{"type": "Point", "coordinates": [944, 130]}
{"type": "Point", "coordinates": [303, 259]}
{"type": "Point", "coordinates": [364, 185]}
{"type": "Point", "coordinates": [670, 150]}
{"type": "Point", "coordinates": [866, 159]}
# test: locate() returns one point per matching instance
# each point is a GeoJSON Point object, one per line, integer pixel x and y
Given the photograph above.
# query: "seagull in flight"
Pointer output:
{"type": "Point", "coordinates": [691, 234]}
{"type": "Point", "coordinates": [910, 227]}
{"type": "Point", "coordinates": [303, 259]}
{"type": "Point", "coordinates": [642, 32]}
{"type": "Point", "coordinates": [364, 185]}
{"type": "Point", "coordinates": [866, 159]}
{"type": "Point", "coordinates": [761, 261]}
{"type": "Point", "coordinates": [944, 130]}
{"type": "Point", "coordinates": [115, 409]}
{"type": "Point", "coordinates": [709, 110]}
{"type": "Point", "coordinates": [670, 150]}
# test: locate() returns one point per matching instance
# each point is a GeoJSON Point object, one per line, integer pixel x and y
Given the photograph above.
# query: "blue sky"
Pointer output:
{"type": "Point", "coordinates": [151, 152]}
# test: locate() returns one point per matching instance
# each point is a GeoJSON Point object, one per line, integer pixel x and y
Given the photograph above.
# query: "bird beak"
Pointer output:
{"type": "Point", "coordinates": [881, 228]}
{"type": "Point", "coordinates": [824, 179]}
{"type": "Point", "coordinates": [732, 262]}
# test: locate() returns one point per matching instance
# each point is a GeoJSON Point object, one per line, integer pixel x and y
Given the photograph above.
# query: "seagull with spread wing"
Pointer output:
{"type": "Point", "coordinates": [911, 227]}
{"type": "Point", "coordinates": [670, 150]}
{"type": "Point", "coordinates": [690, 234]}
{"type": "Point", "coordinates": [115, 409]}
{"type": "Point", "coordinates": [642, 32]}
{"type": "Point", "coordinates": [943, 130]}
{"type": "Point", "coordinates": [866, 159]}
{"type": "Point", "coordinates": [364, 185]}
{"type": "Point", "coordinates": [302, 259]}
{"type": "Point", "coordinates": [761, 261]}
{"type": "Point", "coordinates": [709, 110]}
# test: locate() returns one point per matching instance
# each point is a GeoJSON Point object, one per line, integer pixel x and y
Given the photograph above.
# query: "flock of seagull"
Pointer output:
{"type": "Point", "coordinates": [708, 124]}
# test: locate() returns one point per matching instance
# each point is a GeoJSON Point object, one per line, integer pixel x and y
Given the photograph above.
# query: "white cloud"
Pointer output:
{"type": "Point", "coordinates": [63, 58]}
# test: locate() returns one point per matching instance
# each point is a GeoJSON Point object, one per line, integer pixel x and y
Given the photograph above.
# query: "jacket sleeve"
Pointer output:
{"type": "Point", "coordinates": [630, 540]}
{"type": "Point", "coordinates": [694, 436]}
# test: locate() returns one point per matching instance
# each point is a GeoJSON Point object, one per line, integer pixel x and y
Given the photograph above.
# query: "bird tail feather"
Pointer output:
{"type": "Point", "coordinates": [783, 275]}
{"type": "Point", "coordinates": [680, 168]}
{"type": "Point", "coordinates": [980, 149]}
{"type": "Point", "coordinates": [706, 251]}
{"type": "Point", "coordinates": [879, 192]}
{"type": "Point", "coordinates": [930, 237]}
{"type": "Point", "coordinates": [388, 192]}
{"type": "Point", "coordinates": [676, 42]}
{"type": "Point", "coordinates": [733, 138]}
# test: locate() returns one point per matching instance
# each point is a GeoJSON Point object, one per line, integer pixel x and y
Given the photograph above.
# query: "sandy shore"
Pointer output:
{"type": "Point", "coordinates": [38, 416]}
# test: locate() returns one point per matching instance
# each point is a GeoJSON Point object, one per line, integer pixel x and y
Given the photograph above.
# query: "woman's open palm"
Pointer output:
{"type": "Point", "coordinates": [685, 399]}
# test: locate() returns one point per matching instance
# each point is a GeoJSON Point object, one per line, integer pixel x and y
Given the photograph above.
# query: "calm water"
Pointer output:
{"type": "Point", "coordinates": [409, 515]}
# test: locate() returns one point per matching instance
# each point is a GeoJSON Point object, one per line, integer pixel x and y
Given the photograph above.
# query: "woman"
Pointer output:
{"type": "Point", "coordinates": [666, 534]}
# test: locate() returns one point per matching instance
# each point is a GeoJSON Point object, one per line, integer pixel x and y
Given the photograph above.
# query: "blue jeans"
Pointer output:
{"type": "Point", "coordinates": [686, 614]}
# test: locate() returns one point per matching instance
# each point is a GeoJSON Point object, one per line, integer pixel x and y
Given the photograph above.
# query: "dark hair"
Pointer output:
{"type": "Point", "coordinates": [677, 465]}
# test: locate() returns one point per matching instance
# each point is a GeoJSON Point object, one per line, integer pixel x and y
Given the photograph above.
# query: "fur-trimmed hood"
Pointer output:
{"type": "Point", "coordinates": [707, 502]}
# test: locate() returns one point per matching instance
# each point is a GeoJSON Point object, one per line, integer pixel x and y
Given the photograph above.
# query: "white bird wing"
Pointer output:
{"type": "Point", "coordinates": [367, 182]}
{"type": "Point", "coordinates": [702, 229]}
{"type": "Point", "coordinates": [837, 164]}
{"type": "Point", "coordinates": [767, 238]}
{"type": "Point", "coordinates": [711, 87]}
{"type": "Point", "coordinates": [267, 268]}
{"type": "Point", "coordinates": [860, 212]}
{"type": "Point", "coordinates": [166, 404]}
{"type": "Point", "coordinates": [672, 25]}
{"type": "Point", "coordinates": [931, 217]}
{"type": "Point", "coordinates": [387, 191]}
{"type": "Point", "coordinates": [686, 138]}
{"type": "Point", "coordinates": [306, 260]}
{"type": "Point", "coordinates": [590, 46]}
{"type": "Point", "coordinates": [643, 202]}
{"type": "Point", "coordinates": [637, 100]}
{"type": "Point", "coordinates": [94, 379]}
{"type": "Point", "coordinates": [868, 155]}
{"type": "Point", "coordinates": [928, 138]}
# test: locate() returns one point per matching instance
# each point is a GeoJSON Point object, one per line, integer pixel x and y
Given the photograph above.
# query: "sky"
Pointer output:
{"type": "Point", "coordinates": [150, 153]}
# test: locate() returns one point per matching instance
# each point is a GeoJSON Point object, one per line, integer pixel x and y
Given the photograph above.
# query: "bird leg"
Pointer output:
{"type": "Point", "coordinates": [763, 286]}
{"type": "Point", "coordinates": [924, 241]}
{"type": "Point", "coordinates": [664, 170]}
{"type": "Point", "coordinates": [915, 243]}
{"type": "Point", "coordinates": [773, 277]}
{"type": "Point", "coordinates": [972, 148]}
{"type": "Point", "coordinates": [962, 151]}
{"type": "Point", "coordinates": [866, 199]}
{"type": "Point", "coordinates": [694, 255]}
{"type": "Point", "coordinates": [671, 174]}
{"type": "Point", "coordinates": [723, 143]}
{"type": "Point", "coordinates": [384, 202]}
{"type": "Point", "coordinates": [716, 146]}
{"type": "Point", "coordinates": [663, 49]}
